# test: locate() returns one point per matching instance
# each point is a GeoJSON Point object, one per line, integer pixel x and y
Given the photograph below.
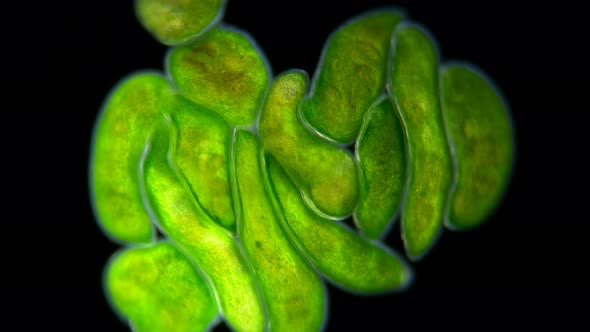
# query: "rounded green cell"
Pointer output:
{"type": "Point", "coordinates": [324, 172]}
{"type": "Point", "coordinates": [346, 259]}
{"type": "Point", "coordinates": [247, 180]}
{"type": "Point", "coordinates": [211, 246]}
{"type": "Point", "coordinates": [224, 71]}
{"type": "Point", "coordinates": [157, 289]}
{"type": "Point", "coordinates": [351, 75]}
{"type": "Point", "coordinates": [381, 156]}
{"type": "Point", "coordinates": [413, 86]}
{"type": "Point", "coordinates": [480, 130]}
{"type": "Point", "coordinates": [119, 140]}
{"type": "Point", "coordinates": [173, 22]}
{"type": "Point", "coordinates": [293, 292]}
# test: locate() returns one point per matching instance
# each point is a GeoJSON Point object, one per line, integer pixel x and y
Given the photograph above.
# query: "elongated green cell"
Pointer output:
{"type": "Point", "coordinates": [414, 88]}
{"type": "Point", "coordinates": [351, 75]}
{"type": "Point", "coordinates": [157, 289]}
{"type": "Point", "coordinates": [223, 71]}
{"type": "Point", "coordinates": [380, 150]}
{"type": "Point", "coordinates": [324, 172]}
{"type": "Point", "coordinates": [216, 253]}
{"type": "Point", "coordinates": [119, 138]}
{"type": "Point", "coordinates": [480, 130]}
{"type": "Point", "coordinates": [173, 22]}
{"type": "Point", "coordinates": [202, 157]}
{"type": "Point", "coordinates": [342, 256]}
{"type": "Point", "coordinates": [293, 292]}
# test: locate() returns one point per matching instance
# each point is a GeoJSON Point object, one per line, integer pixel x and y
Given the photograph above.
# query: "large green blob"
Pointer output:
{"type": "Point", "coordinates": [413, 85]}
{"type": "Point", "coordinates": [224, 71]}
{"type": "Point", "coordinates": [480, 130]}
{"type": "Point", "coordinates": [119, 139]}
{"type": "Point", "coordinates": [351, 75]}
{"type": "Point", "coordinates": [213, 249]}
{"type": "Point", "coordinates": [173, 22]}
{"type": "Point", "coordinates": [249, 224]}
{"type": "Point", "coordinates": [342, 256]}
{"type": "Point", "coordinates": [324, 172]}
{"type": "Point", "coordinates": [157, 289]}
{"type": "Point", "coordinates": [293, 292]}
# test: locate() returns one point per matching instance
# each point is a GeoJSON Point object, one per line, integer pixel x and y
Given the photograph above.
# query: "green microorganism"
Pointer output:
{"type": "Point", "coordinates": [223, 70]}
{"type": "Point", "coordinates": [159, 289]}
{"type": "Point", "coordinates": [325, 173]}
{"type": "Point", "coordinates": [480, 130]}
{"type": "Point", "coordinates": [173, 22]}
{"type": "Point", "coordinates": [249, 178]}
{"type": "Point", "coordinates": [350, 75]}
{"type": "Point", "coordinates": [381, 155]}
{"type": "Point", "coordinates": [119, 140]}
{"type": "Point", "coordinates": [214, 250]}
{"type": "Point", "coordinates": [413, 87]}
{"type": "Point", "coordinates": [299, 305]}
{"type": "Point", "coordinates": [202, 157]}
{"type": "Point", "coordinates": [345, 258]}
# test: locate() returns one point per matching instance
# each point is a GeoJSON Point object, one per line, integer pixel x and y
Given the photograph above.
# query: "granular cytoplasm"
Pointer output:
{"type": "Point", "coordinates": [238, 195]}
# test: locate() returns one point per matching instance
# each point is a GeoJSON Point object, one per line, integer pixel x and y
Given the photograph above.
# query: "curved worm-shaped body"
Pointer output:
{"type": "Point", "coordinates": [249, 176]}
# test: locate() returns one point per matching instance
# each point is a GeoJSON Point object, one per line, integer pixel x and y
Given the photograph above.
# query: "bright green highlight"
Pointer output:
{"type": "Point", "coordinates": [173, 22]}
{"type": "Point", "coordinates": [324, 172]}
{"type": "Point", "coordinates": [414, 88]}
{"type": "Point", "coordinates": [293, 292]}
{"type": "Point", "coordinates": [119, 138]}
{"type": "Point", "coordinates": [202, 157]}
{"type": "Point", "coordinates": [480, 130]}
{"type": "Point", "coordinates": [381, 155]}
{"type": "Point", "coordinates": [157, 289]}
{"type": "Point", "coordinates": [343, 257]}
{"type": "Point", "coordinates": [223, 71]}
{"type": "Point", "coordinates": [245, 177]}
{"type": "Point", "coordinates": [350, 75]}
{"type": "Point", "coordinates": [216, 253]}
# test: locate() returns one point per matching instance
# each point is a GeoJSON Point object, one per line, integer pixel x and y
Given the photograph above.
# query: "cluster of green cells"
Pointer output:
{"type": "Point", "coordinates": [249, 176]}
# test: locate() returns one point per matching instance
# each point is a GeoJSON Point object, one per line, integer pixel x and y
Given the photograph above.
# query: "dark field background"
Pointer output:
{"type": "Point", "coordinates": [525, 268]}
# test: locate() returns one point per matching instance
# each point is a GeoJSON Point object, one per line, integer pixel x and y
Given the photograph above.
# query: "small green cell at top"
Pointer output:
{"type": "Point", "coordinates": [414, 88]}
{"type": "Point", "coordinates": [173, 22]}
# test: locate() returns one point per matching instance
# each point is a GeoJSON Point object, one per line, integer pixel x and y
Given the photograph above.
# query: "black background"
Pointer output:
{"type": "Point", "coordinates": [525, 268]}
